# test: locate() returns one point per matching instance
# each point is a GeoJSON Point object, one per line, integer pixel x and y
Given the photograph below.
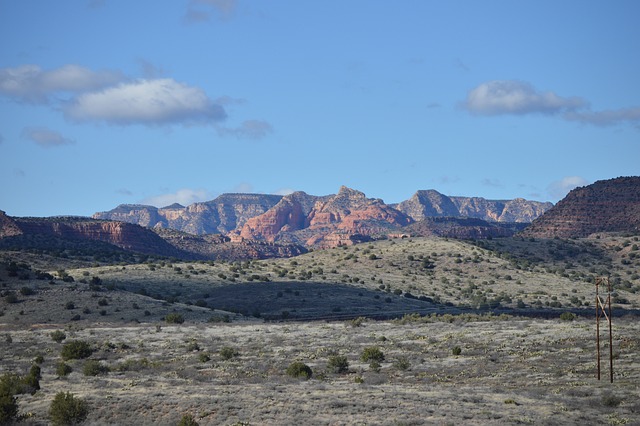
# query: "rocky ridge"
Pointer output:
{"type": "Point", "coordinates": [324, 221]}
{"type": "Point", "coordinates": [221, 215]}
{"type": "Point", "coordinates": [605, 206]}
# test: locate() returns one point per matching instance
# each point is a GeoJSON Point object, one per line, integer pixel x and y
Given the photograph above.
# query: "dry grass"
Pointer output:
{"type": "Point", "coordinates": [509, 371]}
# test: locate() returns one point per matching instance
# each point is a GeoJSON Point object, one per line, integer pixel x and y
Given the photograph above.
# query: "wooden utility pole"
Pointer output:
{"type": "Point", "coordinates": [603, 309]}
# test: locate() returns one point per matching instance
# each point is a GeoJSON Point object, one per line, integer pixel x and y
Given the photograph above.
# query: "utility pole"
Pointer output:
{"type": "Point", "coordinates": [603, 309]}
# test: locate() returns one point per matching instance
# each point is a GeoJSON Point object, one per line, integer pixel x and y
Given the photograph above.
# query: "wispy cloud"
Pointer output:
{"type": "Point", "coordinates": [204, 10]}
{"type": "Point", "coordinates": [45, 137]}
{"type": "Point", "coordinates": [284, 191]}
{"type": "Point", "coordinates": [517, 97]}
{"type": "Point", "coordinates": [149, 102]}
{"type": "Point", "coordinates": [492, 183]}
{"type": "Point", "coordinates": [250, 129]}
{"type": "Point", "coordinates": [183, 196]}
{"type": "Point", "coordinates": [560, 188]}
{"type": "Point", "coordinates": [32, 84]}
{"type": "Point", "coordinates": [503, 97]}
{"type": "Point", "coordinates": [606, 117]}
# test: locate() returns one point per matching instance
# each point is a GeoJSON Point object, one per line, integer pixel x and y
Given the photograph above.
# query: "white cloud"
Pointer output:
{"type": "Point", "coordinates": [45, 137]}
{"type": "Point", "coordinates": [284, 191]}
{"type": "Point", "coordinates": [30, 83]}
{"type": "Point", "coordinates": [151, 102]}
{"type": "Point", "coordinates": [517, 97]}
{"type": "Point", "coordinates": [606, 117]}
{"type": "Point", "coordinates": [183, 196]}
{"type": "Point", "coordinates": [249, 129]}
{"type": "Point", "coordinates": [560, 188]}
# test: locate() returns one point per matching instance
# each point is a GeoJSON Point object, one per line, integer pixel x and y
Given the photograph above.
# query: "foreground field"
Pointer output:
{"type": "Point", "coordinates": [506, 371]}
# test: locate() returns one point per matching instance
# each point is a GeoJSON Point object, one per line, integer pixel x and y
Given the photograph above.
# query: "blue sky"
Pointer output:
{"type": "Point", "coordinates": [104, 102]}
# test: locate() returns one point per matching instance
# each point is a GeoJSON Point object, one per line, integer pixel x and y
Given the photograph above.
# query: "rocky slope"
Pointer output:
{"type": "Point", "coordinates": [606, 206]}
{"type": "Point", "coordinates": [431, 203]}
{"type": "Point", "coordinates": [329, 221]}
{"type": "Point", "coordinates": [222, 215]}
{"type": "Point", "coordinates": [462, 228]}
{"type": "Point", "coordinates": [97, 237]}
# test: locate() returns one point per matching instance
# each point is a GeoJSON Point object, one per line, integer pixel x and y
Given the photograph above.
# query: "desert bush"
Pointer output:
{"type": "Point", "coordinates": [611, 400]}
{"type": "Point", "coordinates": [76, 349]}
{"type": "Point", "coordinates": [372, 353]}
{"type": "Point", "coordinates": [63, 369]}
{"type": "Point", "coordinates": [8, 408]}
{"type": "Point", "coordinates": [338, 364]}
{"type": "Point", "coordinates": [94, 368]}
{"type": "Point", "coordinates": [27, 291]}
{"type": "Point", "coordinates": [228, 353]}
{"type": "Point", "coordinates": [188, 420]}
{"type": "Point", "coordinates": [65, 409]}
{"type": "Point", "coordinates": [567, 316]}
{"type": "Point", "coordinates": [204, 357]}
{"type": "Point", "coordinates": [69, 305]}
{"type": "Point", "coordinates": [402, 363]}
{"type": "Point", "coordinates": [457, 350]}
{"type": "Point", "coordinates": [299, 370]}
{"type": "Point", "coordinates": [11, 298]}
{"type": "Point", "coordinates": [58, 336]}
{"type": "Point", "coordinates": [134, 365]}
{"type": "Point", "coordinates": [174, 318]}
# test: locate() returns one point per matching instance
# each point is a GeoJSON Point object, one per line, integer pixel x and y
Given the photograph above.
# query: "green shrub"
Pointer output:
{"type": "Point", "coordinates": [63, 369]}
{"type": "Point", "coordinates": [188, 420]}
{"type": "Point", "coordinates": [27, 291]}
{"type": "Point", "coordinates": [76, 349]}
{"type": "Point", "coordinates": [567, 316]}
{"type": "Point", "coordinates": [65, 409]}
{"type": "Point", "coordinates": [299, 370]}
{"type": "Point", "coordinates": [457, 350]}
{"type": "Point", "coordinates": [8, 408]}
{"type": "Point", "coordinates": [174, 318]}
{"type": "Point", "coordinates": [228, 353]}
{"type": "Point", "coordinates": [11, 298]}
{"type": "Point", "coordinates": [372, 353]}
{"type": "Point", "coordinates": [338, 364]}
{"type": "Point", "coordinates": [402, 363]}
{"type": "Point", "coordinates": [611, 400]}
{"type": "Point", "coordinates": [94, 368]}
{"type": "Point", "coordinates": [204, 357]}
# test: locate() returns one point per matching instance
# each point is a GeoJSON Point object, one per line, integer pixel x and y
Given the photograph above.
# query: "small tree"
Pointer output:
{"type": "Point", "coordinates": [338, 364]}
{"type": "Point", "coordinates": [300, 370]}
{"type": "Point", "coordinates": [188, 420]}
{"type": "Point", "coordinates": [58, 336]}
{"type": "Point", "coordinates": [372, 353]}
{"type": "Point", "coordinates": [228, 353]}
{"type": "Point", "coordinates": [66, 409]}
{"type": "Point", "coordinates": [174, 318]}
{"type": "Point", "coordinates": [76, 349]}
{"type": "Point", "coordinates": [8, 408]}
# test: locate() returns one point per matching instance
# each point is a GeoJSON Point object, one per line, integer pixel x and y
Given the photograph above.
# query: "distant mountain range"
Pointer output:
{"type": "Point", "coordinates": [324, 221]}
{"type": "Point", "coordinates": [243, 226]}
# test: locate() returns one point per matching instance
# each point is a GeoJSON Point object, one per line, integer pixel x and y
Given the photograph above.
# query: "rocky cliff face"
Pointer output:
{"type": "Point", "coordinates": [8, 227]}
{"type": "Point", "coordinates": [327, 221]}
{"type": "Point", "coordinates": [431, 203]}
{"type": "Point", "coordinates": [222, 215]}
{"type": "Point", "coordinates": [606, 206]}
{"type": "Point", "coordinates": [120, 234]}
